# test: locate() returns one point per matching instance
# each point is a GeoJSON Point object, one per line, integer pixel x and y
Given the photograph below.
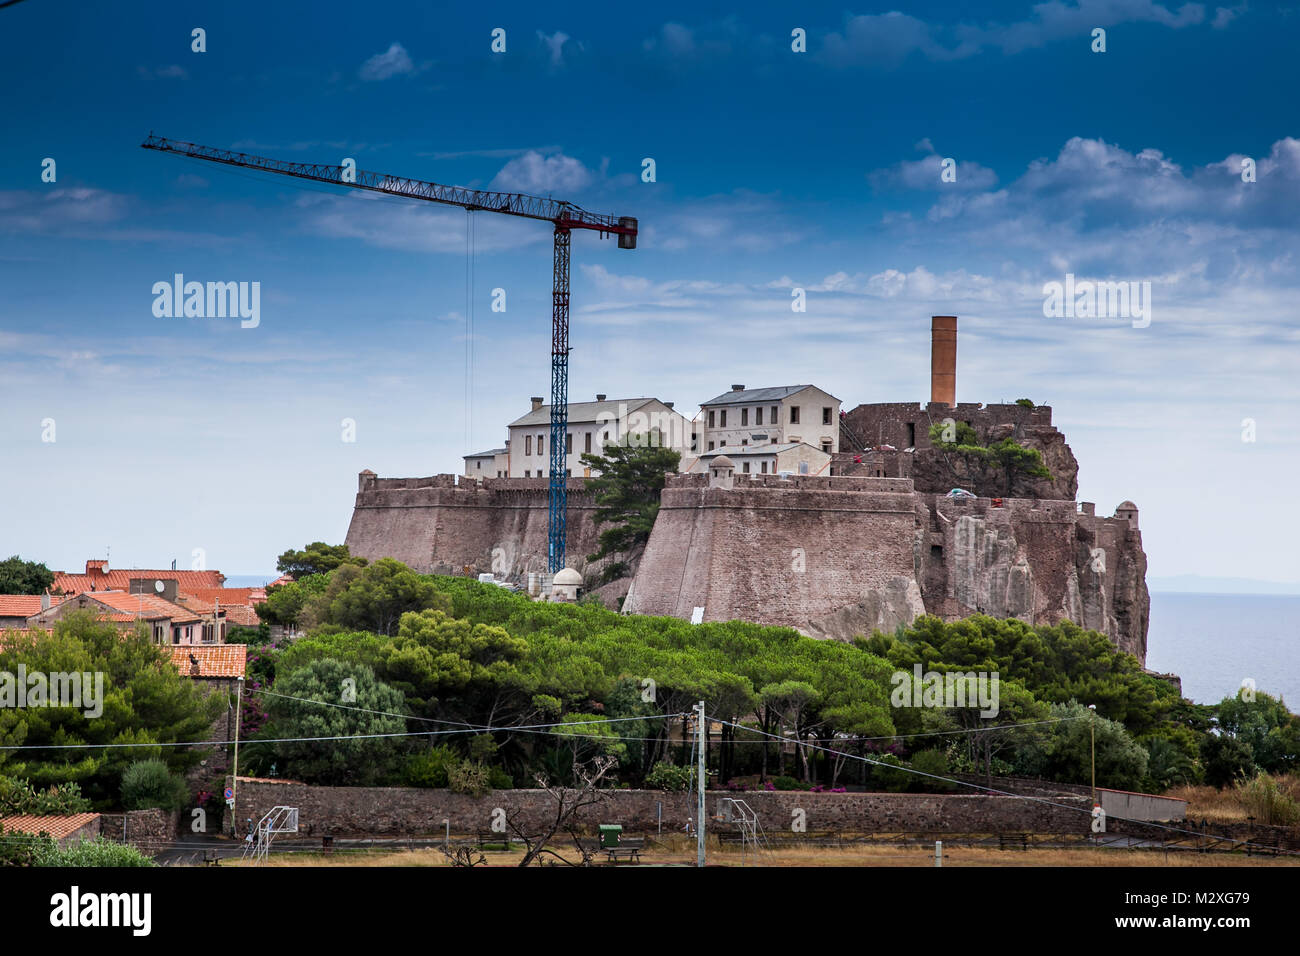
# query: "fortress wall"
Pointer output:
{"type": "Point", "coordinates": [499, 525]}
{"type": "Point", "coordinates": [772, 554]}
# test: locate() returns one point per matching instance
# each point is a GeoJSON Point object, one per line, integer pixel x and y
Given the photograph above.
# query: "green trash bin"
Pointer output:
{"type": "Point", "coordinates": [610, 834]}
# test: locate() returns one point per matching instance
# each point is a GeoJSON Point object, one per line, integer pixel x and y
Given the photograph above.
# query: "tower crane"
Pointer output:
{"type": "Point", "coordinates": [564, 216]}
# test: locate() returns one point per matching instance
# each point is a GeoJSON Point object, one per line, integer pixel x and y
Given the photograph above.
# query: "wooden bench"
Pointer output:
{"type": "Point", "coordinates": [630, 848]}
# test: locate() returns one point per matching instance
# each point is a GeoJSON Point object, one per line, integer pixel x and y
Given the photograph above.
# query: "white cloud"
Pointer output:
{"type": "Point", "coordinates": [555, 43]}
{"type": "Point", "coordinates": [535, 173]}
{"type": "Point", "coordinates": [394, 61]}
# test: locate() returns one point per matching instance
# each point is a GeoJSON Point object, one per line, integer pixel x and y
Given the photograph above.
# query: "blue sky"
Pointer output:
{"type": "Point", "coordinates": [775, 169]}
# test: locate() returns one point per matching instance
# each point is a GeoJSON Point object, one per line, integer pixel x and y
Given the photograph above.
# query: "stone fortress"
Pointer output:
{"type": "Point", "coordinates": [872, 542]}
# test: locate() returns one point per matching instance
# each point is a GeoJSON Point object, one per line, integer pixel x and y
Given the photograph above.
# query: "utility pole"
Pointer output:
{"type": "Point", "coordinates": [699, 786]}
{"type": "Point", "coordinates": [1092, 733]}
{"type": "Point", "coordinates": [234, 777]}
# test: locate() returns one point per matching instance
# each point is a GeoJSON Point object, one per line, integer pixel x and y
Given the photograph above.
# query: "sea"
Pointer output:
{"type": "Point", "coordinates": [1215, 641]}
{"type": "Point", "coordinates": [1212, 641]}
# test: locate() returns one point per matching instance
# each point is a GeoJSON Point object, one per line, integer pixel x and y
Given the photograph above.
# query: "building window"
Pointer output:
{"type": "Point", "coordinates": [568, 473]}
{"type": "Point", "coordinates": [176, 635]}
{"type": "Point", "coordinates": [586, 443]}
{"type": "Point", "coordinates": [528, 444]}
{"type": "Point", "coordinates": [744, 416]}
{"type": "Point", "coordinates": [794, 414]}
{"type": "Point", "coordinates": [776, 418]}
{"type": "Point", "coordinates": [710, 446]}
{"type": "Point", "coordinates": [478, 466]}
{"type": "Point", "coordinates": [710, 418]}
{"type": "Point", "coordinates": [911, 434]}
{"type": "Point", "coordinates": [568, 443]}
{"type": "Point", "coordinates": [803, 467]}
{"type": "Point", "coordinates": [758, 415]}
{"type": "Point", "coordinates": [746, 467]}
{"type": "Point", "coordinates": [528, 473]}
{"type": "Point", "coordinates": [541, 444]}
{"type": "Point", "coordinates": [722, 421]}
{"type": "Point", "coordinates": [764, 464]}
{"type": "Point", "coordinates": [826, 447]}
{"type": "Point", "coordinates": [723, 443]}
{"type": "Point", "coordinates": [826, 416]}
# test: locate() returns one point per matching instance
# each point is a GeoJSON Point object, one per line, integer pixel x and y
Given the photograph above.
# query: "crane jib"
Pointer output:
{"type": "Point", "coordinates": [564, 215]}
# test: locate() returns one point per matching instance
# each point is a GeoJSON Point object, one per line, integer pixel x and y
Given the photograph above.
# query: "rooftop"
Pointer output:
{"type": "Point", "coordinates": [215, 660]}
{"type": "Point", "coordinates": [757, 396]}
{"type": "Point", "coordinates": [493, 452]}
{"type": "Point", "coordinates": [56, 826]}
{"type": "Point", "coordinates": [583, 412]}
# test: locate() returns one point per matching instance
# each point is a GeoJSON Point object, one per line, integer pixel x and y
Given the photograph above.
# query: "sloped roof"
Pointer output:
{"type": "Point", "coordinates": [23, 605]}
{"type": "Point", "coordinates": [56, 826]}
{"type": "Point", "coordinates": [226, 597]}
{"type": "Point", "coordinates": [580, 413]}
{"type": "Point", "coordinates": [119, 579]}
{"type": "Point", "coordinates": [750, 451]}
{"type": "Point", "coordinates": [142, 605]}
{"type": "Point", "coordinates": [215, 660]}
{"type": "Point", "coordinates": [757, 396]}
{"type": "Point", "coordinates": [491, 454]}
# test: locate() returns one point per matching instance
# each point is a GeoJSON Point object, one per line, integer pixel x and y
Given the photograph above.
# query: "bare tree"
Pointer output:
{"type": "Point", "coordinates": [568, 803]}
{"type": "Point", "coordinates": [464, 856]}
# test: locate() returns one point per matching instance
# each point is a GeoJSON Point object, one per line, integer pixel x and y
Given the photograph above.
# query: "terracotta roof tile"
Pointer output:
{"type": "Point", "coordinates": [215, 660]}
{"type": "Point", "coordinates": [119, 579]}
{"type": "Point", "coordinates": [143, 605]}
{"type": "Point", "coordinates": [22, 605]}
{"type": "Point", "coordinates": [228, 597]}
{"type": "Point", "coordinates": [56, 826]}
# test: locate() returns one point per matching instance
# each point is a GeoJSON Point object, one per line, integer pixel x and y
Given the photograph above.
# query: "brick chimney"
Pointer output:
{"type": "Point", "coordinates": [737, 388]}
{"type": "Point", "coordinates": [537, 402]}
{"type": "Point", "coordinates": [599, 397]}
{"type": "Point", "coordinates": [943, 359]}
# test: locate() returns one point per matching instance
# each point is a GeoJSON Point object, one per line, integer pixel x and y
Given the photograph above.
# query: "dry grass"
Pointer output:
{"type": "Point", "coordinates": [678, 852]}
{"type": "Point", "coordinates": [1226, 805]}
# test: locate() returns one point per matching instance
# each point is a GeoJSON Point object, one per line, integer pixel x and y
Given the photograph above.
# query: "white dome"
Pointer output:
{"type": "Point", "coordinates": [568, 576]}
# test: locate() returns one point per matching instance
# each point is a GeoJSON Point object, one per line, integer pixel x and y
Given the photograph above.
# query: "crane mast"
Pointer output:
{"type": "Point", "coordinates": [564, 216]}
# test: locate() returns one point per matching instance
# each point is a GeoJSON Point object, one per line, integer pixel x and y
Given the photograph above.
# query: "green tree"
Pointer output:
{"type": "Point", "coordinates": [375, 597]}
{"type": "Point", "coordinates": [329, 698]}
{"type": "Point", "coordinates": [1227, 759]}
{"type": "Point", "coordinates": [285, 603]}
{"type": "Point", "coordinates": [1063, 752]}
{"type": "Point", "coordinates": [145, 701]}
{"type": "Point", "coordinates": [317, 558]}
{"type": "Point", "coordinates": [627, 491]}
{"type": "Point", "coordinates": [1272, 731]}
{"type": "Point", "coordinates": [24, 577]}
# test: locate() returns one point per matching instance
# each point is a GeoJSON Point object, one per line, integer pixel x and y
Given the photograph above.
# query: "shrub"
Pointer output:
{"type": "Point", "coordinates": [1266, 802]}
{"type": "Point", "coordinates": [500, 780]}
{"type": "Point", "coordinates": [789, 783]}
{"type": "Point", "coordinates": [148, 783]}
{"type": "Point", "coordinates": [669, 776]}
{"type": "Point", "coordinates": [428, 768]}
{"type": "Point", "coordinates": [18, 797]}
{"type": "Point", "coordinates": [933, 762]}
{"type": "Point", "coordinates": [22, 849]}
{"type": "Point", "coordinates": [96, 852]}
{"type": "Point", "coordinates": [469, 777]}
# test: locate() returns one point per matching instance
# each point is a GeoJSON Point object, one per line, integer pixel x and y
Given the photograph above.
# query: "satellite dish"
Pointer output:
{"type": "Point", "coordinates": [159, 587]}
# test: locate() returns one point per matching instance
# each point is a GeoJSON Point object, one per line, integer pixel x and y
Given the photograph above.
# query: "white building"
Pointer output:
{"type": "Point", "coordinates": [783, 415]}
{"type": "Point", "coordinates": [488, 464]}
{"type": "Point", "coordinates": [791, 458]}
{"type": "Point", "coordinates": [592, 425]}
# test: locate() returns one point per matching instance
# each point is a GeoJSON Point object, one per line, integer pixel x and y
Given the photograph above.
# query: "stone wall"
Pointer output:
{"type": "Point", "coordinates": [438, 525]}
{"type": "Point", "coordinates": [907, 424]}
{"type": "Point", "coordinates": [404, 811]}
{"type": "Point", "coordinates": [785, 552]}
{"type": "Point", "coordinates": [149, 831]}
